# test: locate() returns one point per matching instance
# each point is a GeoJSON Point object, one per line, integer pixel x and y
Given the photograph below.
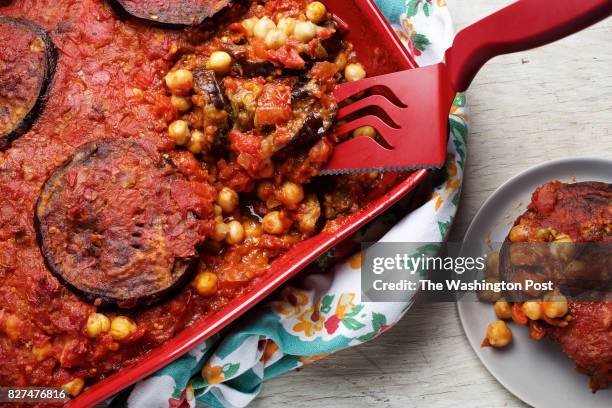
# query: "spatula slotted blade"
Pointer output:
{"type": "Point", "coordinates": [420, 139]}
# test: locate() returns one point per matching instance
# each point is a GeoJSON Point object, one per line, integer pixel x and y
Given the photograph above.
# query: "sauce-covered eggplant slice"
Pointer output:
{"type": "Point", "coordinates": [548, 241]}
{"type": "Point", "coordinates": [27, 65]}
{"type": "Point", "coordinates": [172, 12]}
{"type": "Point", "coordinates": [121, 225]}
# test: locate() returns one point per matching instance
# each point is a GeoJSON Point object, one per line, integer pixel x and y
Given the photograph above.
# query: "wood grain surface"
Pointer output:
{"type": "Point", "coordinates": [525, 109]}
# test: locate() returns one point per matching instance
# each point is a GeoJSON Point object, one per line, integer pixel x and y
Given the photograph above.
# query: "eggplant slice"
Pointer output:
{"type": "Point", "coordinates": [174, 13]}
{"type": "Point", "coordinates": [27, 66]}
{"type": "Point", "coordinates": [112, 226]}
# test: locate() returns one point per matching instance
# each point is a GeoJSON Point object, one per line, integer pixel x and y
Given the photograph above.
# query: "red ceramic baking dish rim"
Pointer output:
{"type": "Point", "coordinates": [302, 254]}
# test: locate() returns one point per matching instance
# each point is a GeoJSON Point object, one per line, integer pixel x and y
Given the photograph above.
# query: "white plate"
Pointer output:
{"type": "Point", "coordinates": [537, 372]}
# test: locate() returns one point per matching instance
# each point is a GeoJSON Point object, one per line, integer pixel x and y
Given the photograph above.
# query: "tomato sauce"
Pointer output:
{"type": "Point", "coordinates": [110, 84]}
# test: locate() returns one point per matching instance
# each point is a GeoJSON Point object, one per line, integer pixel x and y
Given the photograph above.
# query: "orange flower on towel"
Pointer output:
{"type": "Point", "coordinates": [310, 322]}
{"type": "Point", "coordinates": [291, 303]}
{"type": "Point", "coordinates": [212, 374]}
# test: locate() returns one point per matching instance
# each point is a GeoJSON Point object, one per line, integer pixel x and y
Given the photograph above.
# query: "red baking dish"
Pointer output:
{"type": "Point", "coordinates": [379, 49]}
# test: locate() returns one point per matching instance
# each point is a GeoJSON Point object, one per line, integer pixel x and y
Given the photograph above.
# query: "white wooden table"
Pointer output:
{"type": "Point", "coordinates": [526, 108]}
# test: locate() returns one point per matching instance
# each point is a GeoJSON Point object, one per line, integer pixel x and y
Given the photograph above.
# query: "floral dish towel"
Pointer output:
{"type": "Point", "coordinates": [321, 314]}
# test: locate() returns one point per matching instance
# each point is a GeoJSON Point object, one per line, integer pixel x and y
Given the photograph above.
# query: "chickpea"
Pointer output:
{"type": "Point", "coordinates": [275, 39]}
{"type": "Point", "coordinates": [40, 353]}
{"type": "Point", "coordinates": [74, 387]}
{"type": "Point", "coordinates": [354, 72]}
{"type": "Point", "coordinates": [291, 194]}
{"type": "Point", "coordinates": [138, 93]}
{"type": "Point", "coordinates": [179, 82]}
{"type": "Point", "coordinates": [262, 27]}
{"type": "Point", "coordinates": [180, 103]}
{"type": "Point", "coordinates": [196, 142]}
{"type": "Point", "coordinates": [179, 131]}
{"type": "Point", "coordinates": [555, 305]}
{"type": "Point", "coordinates": [122, 327]}
{"type": "Point", "coordinates": [227, 199]}
{"type": "Point", "coordinates": [518, 233]}
{"type": "Point", "coordinates": [308, 214]}
{"type": "Point", "coordinates": [545, 234]}
{"type": "Point", "coordinates": [37, 45]}
{"type": "Point", "coordinates": [304, 31]}
{"type": "Point", "coordinates": [249, 25]}
{"type": "Point", "coordinates": [498, 334]}
{"type": "Point", "coordinates": [217, 209]}
{"type": "Point", "coordinates": [364, 131]}
{"type": "Point", "coordinates": [265, 190]}
{"type": "Point", "coordinates": [563, 238]}
{"type": "Point", "coordinates": [12, 325]}
{"type": "Point", "coordinates": [221, 230]}
{"type": "Point", "coordinates": [287, 25]}
{"type": "Point", "coordinates": [252, 228]}
{"type": "Point", "coordinates": [273, 223]}
{"type": "Point", "coordinates": [220, 62]}
{"type": "Point", "coordinates": [97, 323]}
{"type": "Point", "coordinates": [562, 250]}
{"type": "Point", "coordinates": [316, 12]}
{"type": "Point", "coordinates": [235, 234]}
{"type": "Point", "coordinates": [341, 60]}
{"type": "Point", "coordinates": [532, 309]}
{"type": "Point", "coordinates": [503, 310]}
{"type": "Point", "coordinates": [308, 223]}
{"type": "Point", "coordinates": [205, 283]}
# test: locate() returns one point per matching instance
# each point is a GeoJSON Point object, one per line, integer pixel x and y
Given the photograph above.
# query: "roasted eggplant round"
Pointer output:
{"type": "Point", "coordinates": [27, 65]}
{"type": "Point", "coordinates": [171, 12]}
{"type": "Point", "coordinates": [116, 223]}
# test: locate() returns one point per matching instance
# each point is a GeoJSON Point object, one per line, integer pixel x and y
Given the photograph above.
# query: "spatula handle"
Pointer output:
{"type": "Point", "coordinates": [521, 26]}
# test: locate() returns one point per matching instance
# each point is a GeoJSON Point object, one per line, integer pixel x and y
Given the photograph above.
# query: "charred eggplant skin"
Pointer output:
{"type": "Point", "coordinates": [333, 44]}
{"type": "Point", "coordinates": [303, 88]}
{"type": "Point", "coordinates": [41, 92]}
{"type": "Point", "coordinates": [170, 13]}
{"type": "Point", "coordinates": [312, 129]}
{"type": "Point", "coordinates": [205, 83]}
{"type": "Point", "coordinates": [251, 68]}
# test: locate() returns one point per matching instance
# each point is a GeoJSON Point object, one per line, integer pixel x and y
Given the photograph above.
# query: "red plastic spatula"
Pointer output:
{"type": "Point", "coordinates": [415, 130]}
